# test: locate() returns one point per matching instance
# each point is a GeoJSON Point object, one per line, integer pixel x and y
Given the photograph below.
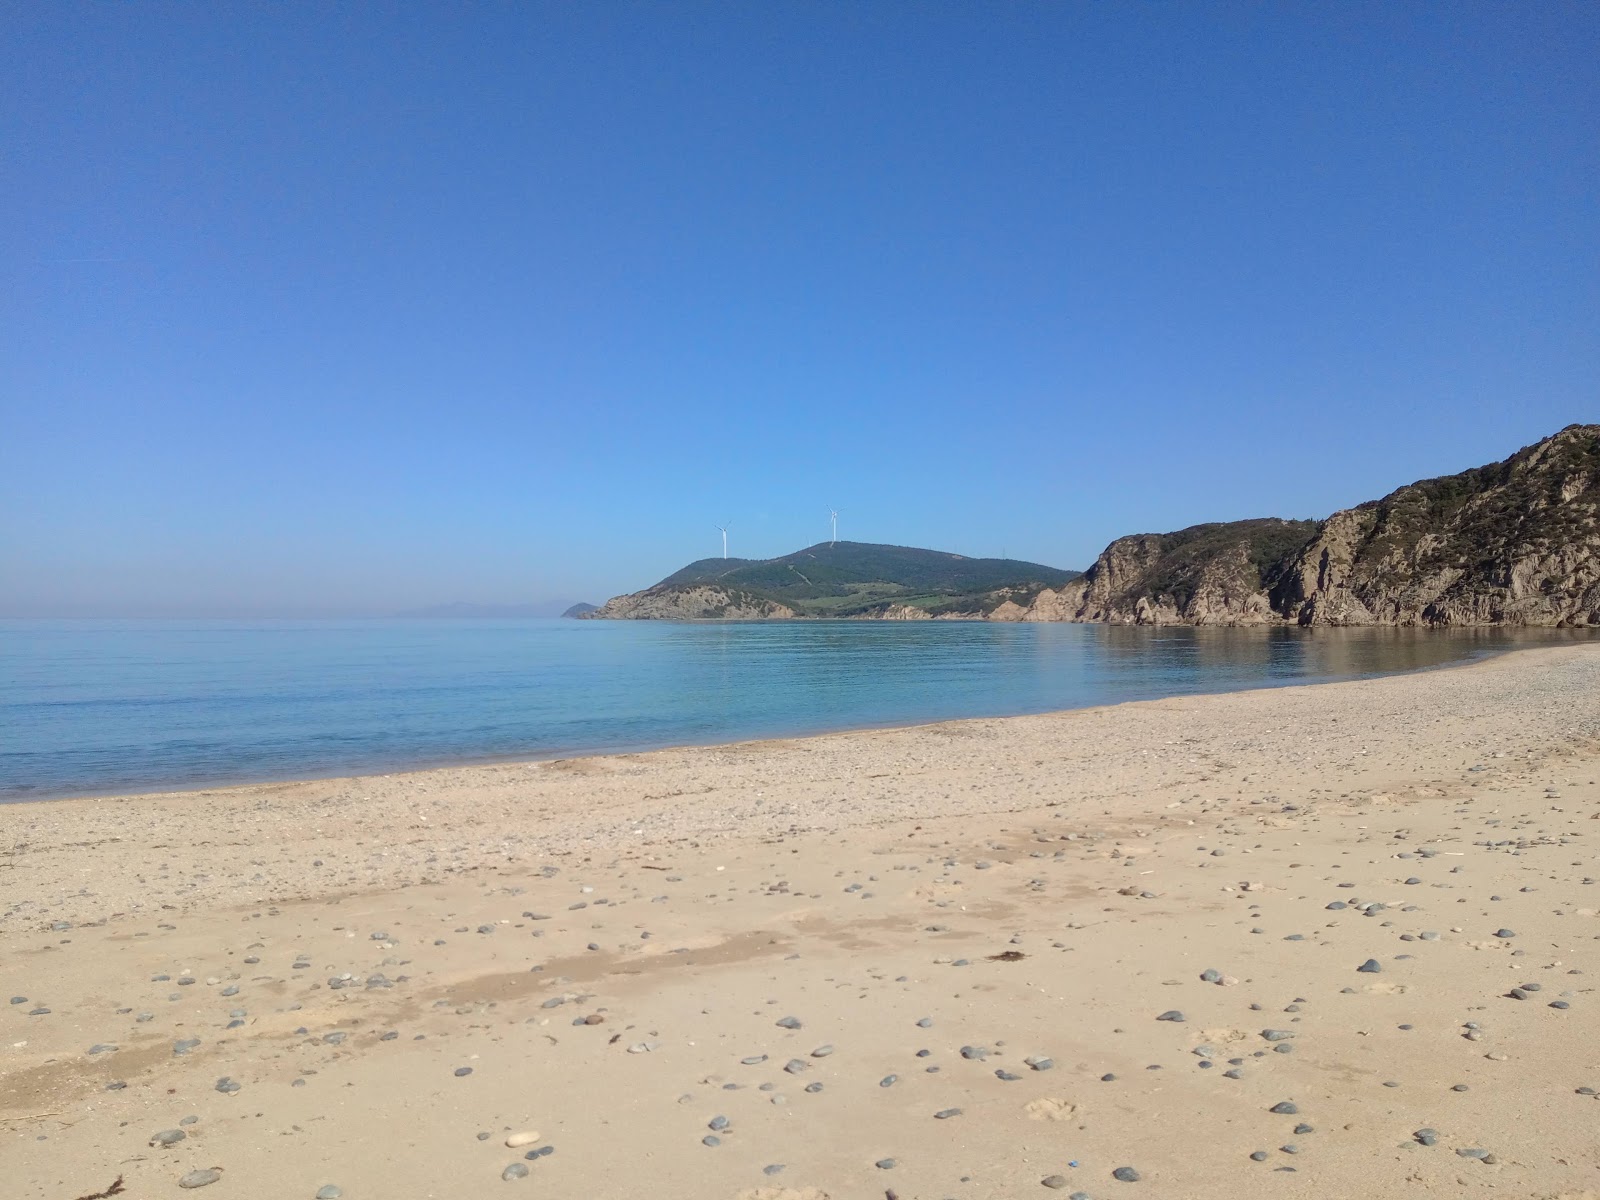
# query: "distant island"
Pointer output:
{"type": "Point", "coordinates": [1512, 543]}
{"type": "Point", "coordinates": [581, 610]}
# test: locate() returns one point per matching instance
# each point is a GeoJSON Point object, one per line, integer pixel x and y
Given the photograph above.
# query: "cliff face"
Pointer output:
{"type": "Point", "coordinates": [1512, 543]}
{"type": "Point", "coordinates": [700, 603]}
{"type": "Point", "coordinates": [1204, 575]}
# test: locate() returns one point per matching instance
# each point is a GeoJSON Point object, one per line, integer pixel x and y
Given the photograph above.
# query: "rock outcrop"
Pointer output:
{"type": "Point", "coordinates": [1205, 575]}
{"type": "Point", "coordinates": [698, 603]}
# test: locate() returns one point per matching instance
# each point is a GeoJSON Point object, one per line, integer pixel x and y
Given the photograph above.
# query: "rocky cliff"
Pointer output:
{"type": "Point", "coordinates": [1513, 543]}
{"type": "Point", "coordinates": [1216, 574]}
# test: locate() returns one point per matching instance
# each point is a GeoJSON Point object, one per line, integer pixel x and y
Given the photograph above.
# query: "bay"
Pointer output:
{"type": "Point", "coordinates": [110, 707]}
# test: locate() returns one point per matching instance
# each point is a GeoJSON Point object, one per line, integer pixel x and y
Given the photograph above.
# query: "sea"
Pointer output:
{"type": "Point", "coordinates": [115, 707]}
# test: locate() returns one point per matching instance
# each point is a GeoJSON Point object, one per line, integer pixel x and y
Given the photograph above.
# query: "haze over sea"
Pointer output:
{"type": "Point", "coordinates": [100, 707]}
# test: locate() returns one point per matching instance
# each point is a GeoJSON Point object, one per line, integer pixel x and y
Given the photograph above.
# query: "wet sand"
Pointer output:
{"type": "Point", "coordinates": [375, 984]}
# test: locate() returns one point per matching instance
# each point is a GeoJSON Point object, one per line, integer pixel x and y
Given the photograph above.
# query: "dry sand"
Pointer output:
{"type": "Point", "coordinates": [339, 952]}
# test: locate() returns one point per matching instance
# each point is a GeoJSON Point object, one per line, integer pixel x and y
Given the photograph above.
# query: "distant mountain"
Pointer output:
{"type": "Point", "coordinates": [462, 609]}
{"type": "Point", "coordinates": [1512, 543]}
{"type": "Point", "coordinates": [839, 579]}
{"type": "Point", "coordinates": [580, 610]}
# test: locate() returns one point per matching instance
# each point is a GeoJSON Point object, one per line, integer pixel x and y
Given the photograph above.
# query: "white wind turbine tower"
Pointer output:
{"type": "Point", "coordinates": [833, 517]}
{"type": "Point", "coordinates": [724, 529]}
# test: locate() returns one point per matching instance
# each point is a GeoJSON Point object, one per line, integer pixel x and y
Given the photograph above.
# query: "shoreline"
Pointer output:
{"type": "Point", "coordinates": [1020, 953]}
{"type": "Point", "coordinates": [615, 750]}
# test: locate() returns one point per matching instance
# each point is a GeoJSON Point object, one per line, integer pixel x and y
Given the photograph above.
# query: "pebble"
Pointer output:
{"type": "Point", "coordinates": [1370, 967]}
{"type": "Point", "coordinates": [331, 1192]}
{"type": "Point", "coordinates": [1126, 1175]}
{"type": "Point", "coordinates": [200, 1178]}
{"type": "Point", "coordinates": [515, 1171]}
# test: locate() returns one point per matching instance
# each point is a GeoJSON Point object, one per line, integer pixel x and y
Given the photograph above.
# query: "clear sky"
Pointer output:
{"type": "Point", "coordinates": [318, 308]}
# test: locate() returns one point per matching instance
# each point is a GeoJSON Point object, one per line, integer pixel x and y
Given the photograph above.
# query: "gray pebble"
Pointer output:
{"type": "Point", "coordinates": [1126, 1174]}
{"type": "Point", "coordinates": [168, 1137]}
{"type": "Point", "coordinates": [331, 1192]}
{"type": "Point", "coordinates": [1284, 1108]}
{"type": "Point", "coordinates": [885, 1164]}
{"type": "Point", "coordinates": [1171, 1014]}
{"type": "Point", "coordinates": [1370, 967]}
{"type": "Point", "coordinates": [789, 1023]}
{"type": "Point", "coordinates": [200, 1178]}
{"type": "Point", "coordinates": [462, 1072]}
{"type": "Point", "coordinates": [515, 1171]}
{"type": "Point", "coordinates": [944, 1114]}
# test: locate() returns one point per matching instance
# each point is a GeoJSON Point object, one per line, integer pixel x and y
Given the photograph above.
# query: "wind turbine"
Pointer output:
{"type": "Point", "coordinates": [833, 516]}
{"type": "Point", "coordinates": [724, 529]}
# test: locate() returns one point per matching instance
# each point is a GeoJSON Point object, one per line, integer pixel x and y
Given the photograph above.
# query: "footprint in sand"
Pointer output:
{"type": "Point", "coordinates": [1052, 1108]}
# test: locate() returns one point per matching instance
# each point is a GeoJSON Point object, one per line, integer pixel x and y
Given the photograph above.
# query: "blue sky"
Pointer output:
{"type": "Point", "coordinates": [350, 308]}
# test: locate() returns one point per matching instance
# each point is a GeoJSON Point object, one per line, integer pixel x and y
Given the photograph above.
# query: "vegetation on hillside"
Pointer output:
{"type": "Point", "coordinates": [849, 579]}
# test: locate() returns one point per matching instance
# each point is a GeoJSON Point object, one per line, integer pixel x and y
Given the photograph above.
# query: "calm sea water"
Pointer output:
{"type": "Point", "coordinates": [92, 707]}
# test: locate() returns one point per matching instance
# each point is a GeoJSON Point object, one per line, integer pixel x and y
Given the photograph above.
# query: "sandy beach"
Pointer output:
{"type": "Point", "coordinates": [1326, 941]}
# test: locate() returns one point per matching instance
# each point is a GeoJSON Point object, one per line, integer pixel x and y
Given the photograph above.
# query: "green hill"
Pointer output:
{"type": "Point", "coordinates": [843, 579]}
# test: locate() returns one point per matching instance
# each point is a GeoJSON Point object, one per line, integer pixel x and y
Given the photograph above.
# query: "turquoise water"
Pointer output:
{"type": "Point", "coordinates": [103, 707]}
